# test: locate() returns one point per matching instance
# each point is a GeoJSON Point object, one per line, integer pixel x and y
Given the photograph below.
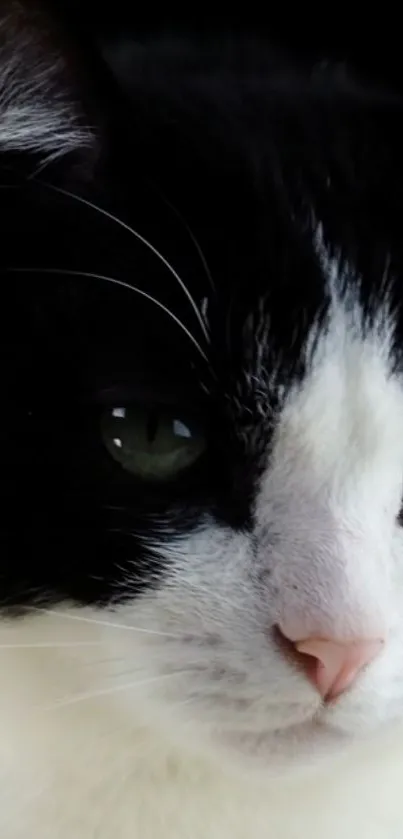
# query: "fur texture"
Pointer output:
{"type": "Point", "coordinates": [222, 249]}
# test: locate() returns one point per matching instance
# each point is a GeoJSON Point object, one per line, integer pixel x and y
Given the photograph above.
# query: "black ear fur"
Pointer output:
{"type": "Point", "coordinates": [43, 86]}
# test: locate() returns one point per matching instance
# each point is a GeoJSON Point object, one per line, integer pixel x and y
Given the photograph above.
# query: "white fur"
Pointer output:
{"type": "Point", "coordinates": [101, 769]}
{"type": "Point", "coordinates": [36, 113]}
{"type": "Point", "coordinates": [177, 716]}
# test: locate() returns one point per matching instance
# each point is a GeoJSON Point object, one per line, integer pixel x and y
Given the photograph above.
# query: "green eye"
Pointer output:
{"type": "Point", "coordinates": [151, 444]}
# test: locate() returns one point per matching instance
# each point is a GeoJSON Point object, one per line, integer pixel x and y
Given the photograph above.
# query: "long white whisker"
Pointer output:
{"type": "Point", "coordinates": [57, 614]}
{"type": "Point", "coordinates": [90, 275]}
{"type": "Point", "coordinates": [141, 238]}
{"type": "Point", "coordinates": [192, 237]}
{"type": "Point", "coordinates": [81, 697]}
{"type": "Point", "coordinates": [49, 645]}
{"type": "Point", "coordinates": [47, 162]}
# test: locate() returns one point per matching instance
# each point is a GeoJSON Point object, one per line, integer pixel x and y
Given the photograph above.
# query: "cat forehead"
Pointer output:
{"type": "Point", "coordinates": [336, 377]}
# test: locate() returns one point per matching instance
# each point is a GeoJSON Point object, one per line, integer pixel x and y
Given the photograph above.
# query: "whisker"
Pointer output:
{"type": "Point", "coordinates": [49, 645]}
{"type": "Point", "coordinates": [90, 275]}
{"type": "Point", "coordinates": [49, 159]}
{"type": "Point", "coordinates": [82, 697]}
{"type": "Point", "coordinates": [41, 168]}
{"type": "Point", "coordinates": [80, 618]}
{"type": "Point", "coordinates": [141, 239]}
{"type": "Point", "coordinates": [191, 235]}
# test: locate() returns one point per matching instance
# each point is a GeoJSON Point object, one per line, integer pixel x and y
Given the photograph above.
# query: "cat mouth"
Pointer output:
{"type": "Point", "coordinates": [315, 725]}
{"type": "Point", "coordinates": [300, 745]}
{"type": "Point", "coordinates": [320, 725]}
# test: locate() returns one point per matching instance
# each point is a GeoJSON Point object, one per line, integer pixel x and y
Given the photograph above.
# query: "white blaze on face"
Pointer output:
{"type": "Point", "coordinates": [328, 506]}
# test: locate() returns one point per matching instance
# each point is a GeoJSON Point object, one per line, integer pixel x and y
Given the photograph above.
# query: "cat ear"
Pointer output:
{"type": "Point", "coordinates": [41, 107]}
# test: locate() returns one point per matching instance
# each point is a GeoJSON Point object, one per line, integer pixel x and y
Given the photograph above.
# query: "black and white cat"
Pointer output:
{"type": "Point", "coordinates": [201, 567]}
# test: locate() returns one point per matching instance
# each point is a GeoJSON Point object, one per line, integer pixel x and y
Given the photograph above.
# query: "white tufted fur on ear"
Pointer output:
{"type": "Point", "coordinates": [37, 111]}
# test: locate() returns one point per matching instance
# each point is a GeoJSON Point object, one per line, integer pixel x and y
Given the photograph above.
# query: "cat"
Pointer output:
{"type": "Point", "coordinates": [201, 568]}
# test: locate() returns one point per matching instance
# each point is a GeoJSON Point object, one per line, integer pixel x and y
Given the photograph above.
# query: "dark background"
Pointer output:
{"type": "Point", "coordinates": [367, 38]}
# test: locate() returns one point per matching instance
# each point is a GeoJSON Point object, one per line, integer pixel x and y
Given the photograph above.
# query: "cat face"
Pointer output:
{"type": "Point", "coordinates": [202, 381]}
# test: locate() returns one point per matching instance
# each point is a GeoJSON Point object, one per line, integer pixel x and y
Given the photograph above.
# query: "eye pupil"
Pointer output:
{"type": "Point", "coordinates": [152, 423]}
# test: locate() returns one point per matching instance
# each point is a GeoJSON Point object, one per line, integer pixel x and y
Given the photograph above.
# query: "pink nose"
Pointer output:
{"type": "Point", "coordinates": [332, 665]}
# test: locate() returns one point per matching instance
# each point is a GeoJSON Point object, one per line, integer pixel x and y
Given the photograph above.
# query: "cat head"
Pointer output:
{"type": "Point", "coordinates": [202, 380]}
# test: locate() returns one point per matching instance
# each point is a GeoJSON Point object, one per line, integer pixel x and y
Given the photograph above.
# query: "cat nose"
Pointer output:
{"type": "Point", "coordinates": [333, 665]}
